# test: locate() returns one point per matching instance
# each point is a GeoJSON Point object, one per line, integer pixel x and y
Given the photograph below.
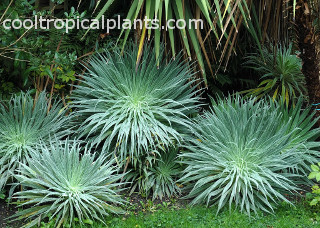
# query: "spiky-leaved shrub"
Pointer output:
{"type": "Point", "coordinates": [280, 71]}
{"type": "Point", "coordinates": [301, 121]}
{"type": "Point", "coordinates": [23, 122]}
{"type": "Point", "coordinates": [244, 153]}
{"type": "Point", "coordinates": [62, 184]}
{"type": "Point", "coordinates": [163, 176]}
{"type": "Point", "coordinates": [132, 108]}
{"type": "Point", "coordinates": [156, 174]}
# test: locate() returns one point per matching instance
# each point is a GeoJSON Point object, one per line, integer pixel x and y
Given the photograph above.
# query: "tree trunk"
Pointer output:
{"type": "Point", "coordinates": [307, 41]}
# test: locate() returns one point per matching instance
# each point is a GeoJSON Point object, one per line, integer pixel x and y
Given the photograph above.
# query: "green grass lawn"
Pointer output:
{"type": "Point", "coordinates": [177, 214]}
{"type": "Point", "coordinates": [284, 216]}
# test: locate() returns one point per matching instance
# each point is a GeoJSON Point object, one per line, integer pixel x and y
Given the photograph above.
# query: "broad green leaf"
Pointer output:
{"type": "Point", "coordinates": [315, 168]}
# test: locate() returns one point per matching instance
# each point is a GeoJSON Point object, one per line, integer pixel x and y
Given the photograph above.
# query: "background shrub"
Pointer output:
{"type": "Point", "coordinates": [280, 72]}
{"type": "Point", "coordinates": [315, 195]}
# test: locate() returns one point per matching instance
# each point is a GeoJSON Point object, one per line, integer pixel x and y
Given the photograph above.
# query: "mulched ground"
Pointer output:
{"type": "Point", "coordinates": [5, 212]}
{"type": "Point", "coordinates": [137, 203]}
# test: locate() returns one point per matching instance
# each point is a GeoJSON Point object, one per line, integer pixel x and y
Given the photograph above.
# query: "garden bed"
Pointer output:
{"type": "Point", "coordinates": [84, 121]}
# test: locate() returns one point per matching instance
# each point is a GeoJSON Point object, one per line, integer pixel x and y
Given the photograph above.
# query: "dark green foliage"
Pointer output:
{"type": "Point", "coordinates": [281, 73]}
{"type": "Point", "coordinates": [156, 175]}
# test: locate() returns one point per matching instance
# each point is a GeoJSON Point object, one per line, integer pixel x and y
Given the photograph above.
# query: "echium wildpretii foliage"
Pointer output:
{"type": "Point", "coordinates": [247, 153]}
{"type": "Point", "coordinates": [66, 182]}
{"type": "Point", "coordinates": [23, 123]}
{"type": "Point", "coordinates": [133, 108]}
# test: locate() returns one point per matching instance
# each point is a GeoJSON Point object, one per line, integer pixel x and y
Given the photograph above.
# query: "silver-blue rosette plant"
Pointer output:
{"type": "Point", "coordinates": [248, 153]}
{"type": "Point", "coordinates": [130, 108]}
{"type": "Point", "coordinates": [66, 183]}
{"type": "Point", "coordinates": [23, 123]}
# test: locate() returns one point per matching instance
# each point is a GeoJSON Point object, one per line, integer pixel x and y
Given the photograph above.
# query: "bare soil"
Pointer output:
{"type": "Point", "coordinates": [6, 211]}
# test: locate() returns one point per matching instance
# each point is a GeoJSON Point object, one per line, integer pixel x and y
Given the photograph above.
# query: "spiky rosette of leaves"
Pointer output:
{"type": "Point", "coordinates": [65, 182]}
{"type": "Point", "coordinates": [164, 175]}
{"type": "Point", "coordinates": [280, 74]}
{"type": "Point", "coordinates": [300, 120]}
{"type": "Point", "coordinates": [156, 175]}
{"type": "Point", "coordinates": [23, 122]}
{"type": "Point", "coordinates": [132, 108]}
{"type": "Point", "coordinates": [248, 154]}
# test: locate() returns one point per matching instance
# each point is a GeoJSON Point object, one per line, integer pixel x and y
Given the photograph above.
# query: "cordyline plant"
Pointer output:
{"type": "Point", "coordinates": [65, 182]}
{"type": "Point", "coordinates": [280, 72]}
{"type": "Point", "coordinates": [23, 123]}
{"type": "Point", "coordinates": [132, 108]}
{"type": "Point", "coordinates": [247, 153]}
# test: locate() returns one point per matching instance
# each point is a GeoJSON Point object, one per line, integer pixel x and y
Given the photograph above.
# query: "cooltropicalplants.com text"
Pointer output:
{"type": "Point", "coordinates": [39, 22]}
